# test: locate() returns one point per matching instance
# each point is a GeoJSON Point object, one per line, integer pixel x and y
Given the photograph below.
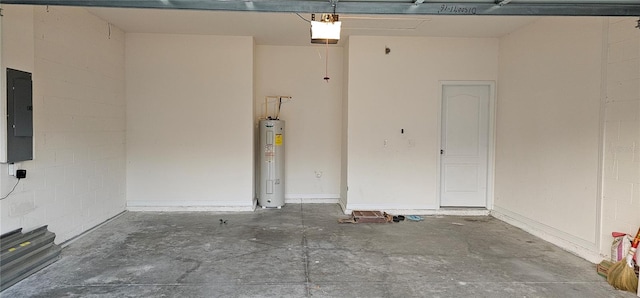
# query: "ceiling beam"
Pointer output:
{"type": "Point", "coordinates": [588, 8]}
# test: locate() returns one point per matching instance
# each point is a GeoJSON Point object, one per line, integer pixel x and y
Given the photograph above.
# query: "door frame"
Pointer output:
{"type": "Point", "coordinates": [490, 142]}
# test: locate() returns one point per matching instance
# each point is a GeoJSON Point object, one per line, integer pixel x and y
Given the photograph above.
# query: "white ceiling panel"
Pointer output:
{"type": "Point", "coordinates": [291, 29]}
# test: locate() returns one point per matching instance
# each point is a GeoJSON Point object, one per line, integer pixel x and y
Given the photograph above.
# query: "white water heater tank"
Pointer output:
{"type": "Point", "coordinates": [271, 164]}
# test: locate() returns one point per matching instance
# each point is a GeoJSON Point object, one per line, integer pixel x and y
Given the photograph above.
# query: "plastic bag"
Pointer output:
{"type": "Point", "coordinates": [620, 246]}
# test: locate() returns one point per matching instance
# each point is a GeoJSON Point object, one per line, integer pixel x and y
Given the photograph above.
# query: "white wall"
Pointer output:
{"type": "Point", "coordinates": [621, 181]}
{"type": "Point", "coordinates": [76, 179]}
{"type": "Point", "coordinates": [401, 90]}
{"type": "Point", "coordinates": [189, 121]}
{"type": "Point", "coordinates": [17, 53]}
{"type": "Point", "coordinates": [548, 127]}
{"type": "Point", "coordinates": [313, 117]}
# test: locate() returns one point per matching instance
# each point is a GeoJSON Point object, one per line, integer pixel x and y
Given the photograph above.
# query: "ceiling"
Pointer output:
{"type": "Point", "coordinates": [285, 22]}
{"type": "Point", "coordinates": [270, 28]}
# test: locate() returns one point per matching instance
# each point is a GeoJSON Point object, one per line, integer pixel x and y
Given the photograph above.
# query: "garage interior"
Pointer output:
{"type": "Point", "coordinates": [145, 119]}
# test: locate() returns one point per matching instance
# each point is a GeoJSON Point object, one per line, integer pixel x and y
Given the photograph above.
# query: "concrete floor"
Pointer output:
{"type": "Point", "coordinates": [302, 251]}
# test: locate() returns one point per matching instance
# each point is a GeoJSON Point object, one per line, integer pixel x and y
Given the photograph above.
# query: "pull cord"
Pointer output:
{"type": "Point", "coordinates": [326, 65]}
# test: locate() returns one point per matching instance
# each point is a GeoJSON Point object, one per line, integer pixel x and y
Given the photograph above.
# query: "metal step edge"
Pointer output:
{"type": "Point", "coordinates": [9, 236]}
{"type": "Point", "coordinates": [8, 266]}
{"type": "Point", "coordinates": [25, 237]}
{"type": "Point", "coordinates": [7, 256]}
{"type": "Point", "coordinates": [49, 258]}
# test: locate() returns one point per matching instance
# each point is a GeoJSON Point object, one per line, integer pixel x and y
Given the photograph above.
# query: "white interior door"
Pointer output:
{"type": "Point", "coordinates": [465, 140]}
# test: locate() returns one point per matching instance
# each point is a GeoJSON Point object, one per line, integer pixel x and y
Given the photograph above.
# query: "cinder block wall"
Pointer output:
{"type": "Point", "coordinates": [621, 179]}
{"type": "Point", "coordinates": [313, 117]}
{"type": "Point", "coordinates": [77, 179]}
{"type": "Point", "coordinates": [548, 130]}
{"type": "Point", "coordinates": [189, 122]}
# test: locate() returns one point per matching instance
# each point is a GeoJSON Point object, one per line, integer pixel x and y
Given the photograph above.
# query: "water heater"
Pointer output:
{"type": "Point", "coordinates": [271, 164]}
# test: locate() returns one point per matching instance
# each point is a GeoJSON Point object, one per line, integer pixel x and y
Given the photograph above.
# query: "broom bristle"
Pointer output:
{"type": "Point", "coordinates": [623, 277]}
{"type": "Point", "coordinates": [614, 273]}
{"type": "Point", "coordinates": [628, 280]}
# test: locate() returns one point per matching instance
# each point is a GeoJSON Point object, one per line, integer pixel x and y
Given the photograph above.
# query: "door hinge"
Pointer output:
{"type": "Point", "coordinates": [441, 151]}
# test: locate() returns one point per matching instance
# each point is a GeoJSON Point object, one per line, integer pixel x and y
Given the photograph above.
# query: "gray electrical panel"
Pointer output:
{"type": "Point", "coordinates": [19, 116]}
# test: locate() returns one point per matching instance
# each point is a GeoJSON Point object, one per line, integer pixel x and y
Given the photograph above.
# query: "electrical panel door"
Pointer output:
{"type": "Point", "coordinates": [19, 116]}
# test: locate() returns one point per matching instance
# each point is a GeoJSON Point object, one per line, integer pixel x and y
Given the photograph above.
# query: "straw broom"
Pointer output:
{"type": "Point", "coordinates": [621, 275]}
{"type": "Point", "coordinates": [638, 293]}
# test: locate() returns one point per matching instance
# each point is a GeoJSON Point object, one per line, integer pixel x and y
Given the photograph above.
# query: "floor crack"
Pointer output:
{"type": "Point", "coordinates": [196, 263]}
{"type": "Point", "coordinates": [305, 251]}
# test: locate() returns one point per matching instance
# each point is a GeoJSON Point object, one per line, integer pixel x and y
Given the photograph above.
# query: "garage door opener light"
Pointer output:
{"type": "Point", "coordinates": [327, 30]}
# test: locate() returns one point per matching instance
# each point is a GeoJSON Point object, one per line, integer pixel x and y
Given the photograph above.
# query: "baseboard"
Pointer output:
{"type": "Point", "coordinates": [66, 242]}
{"type": "Point", "coordinates": [169, 206]}
{"type": "Point", "coordinates": [343, 206]}
{"type": "Point", "coordinates": [412, 210]}
{"type": "Point", "coordinates": [568, 242]}
{"type": "Point", "coordinates": [451, 212]}
{"type": "Point", "coordinates": [312, 196]}
{"type": "Point", "coordinates": [311, 201]}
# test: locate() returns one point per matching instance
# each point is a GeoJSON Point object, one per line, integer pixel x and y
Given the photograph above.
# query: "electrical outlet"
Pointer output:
{"type": "Point", "coordinates": [12, 169]}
